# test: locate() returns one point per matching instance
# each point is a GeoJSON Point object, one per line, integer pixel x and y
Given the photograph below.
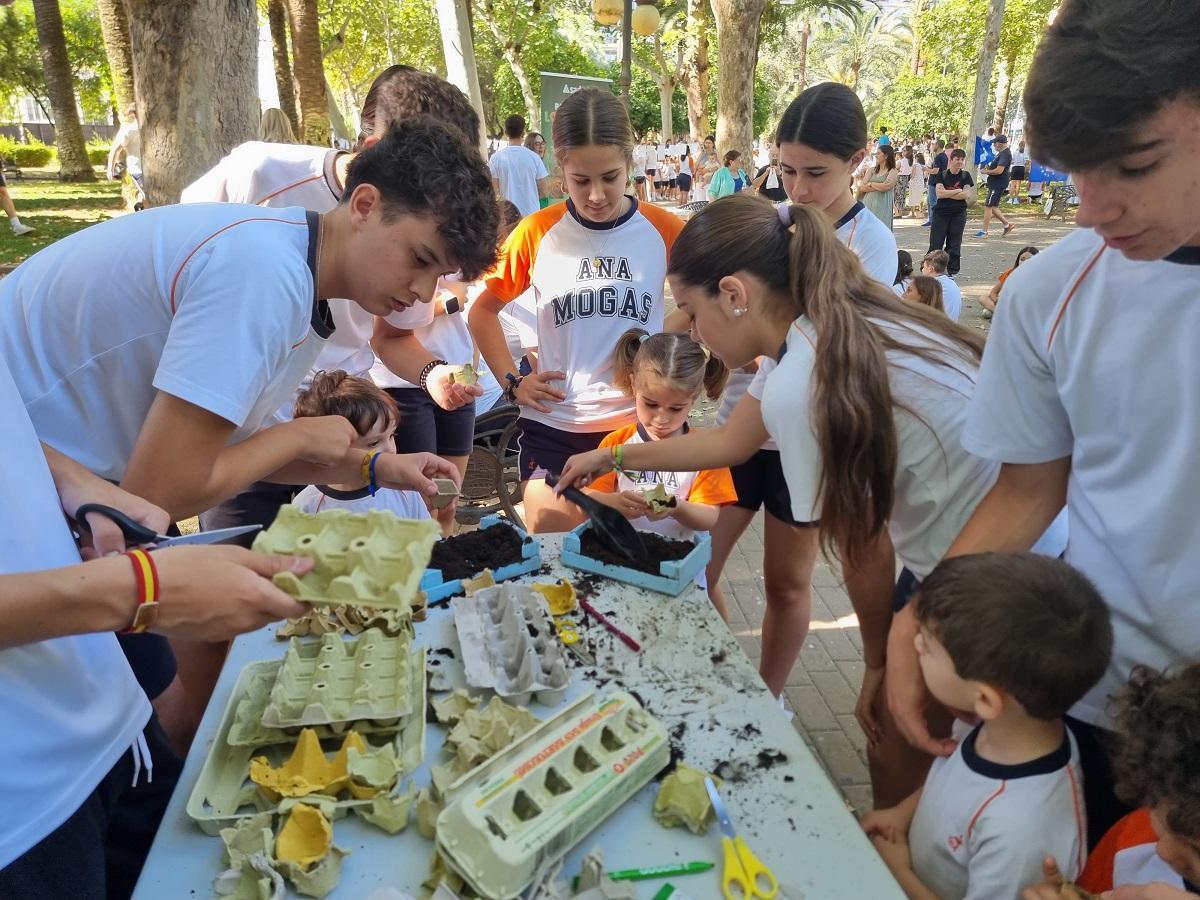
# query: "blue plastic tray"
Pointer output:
{"type": "Point", "coordinates": [531, 559]}
{"type": "Point", "coordinates": [673, 576]}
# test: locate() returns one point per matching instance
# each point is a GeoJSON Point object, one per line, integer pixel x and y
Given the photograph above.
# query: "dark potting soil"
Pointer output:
{"type": "Point", "coordinates": [466, 555]}
{"type": "Point", "coordinates": [658, 550]}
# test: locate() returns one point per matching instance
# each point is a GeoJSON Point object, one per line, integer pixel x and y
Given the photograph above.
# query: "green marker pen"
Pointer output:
{"type": "Point", "coordinates": [660, 871]}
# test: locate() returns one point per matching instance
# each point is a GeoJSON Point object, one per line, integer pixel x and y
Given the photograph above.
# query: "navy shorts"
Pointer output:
{"type": "Point", "coordinates": [545, 449]}
{"type": "Point", "coordinates": [427, 428]}
{"type": "Point", "coordinates": [759, 482]}
{"type": "Point", "coordinates": [906, 585]}
{"type": "Point", "coordinates": [1018, 173]}
{"type": "Point", "coordinates": [685, 182]}
{"type": "Point", "coordinates": [993, 196]}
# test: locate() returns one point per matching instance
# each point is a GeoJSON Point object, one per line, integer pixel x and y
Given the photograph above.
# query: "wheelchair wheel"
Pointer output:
{"type": "Point", "coordinates": [492, 482]}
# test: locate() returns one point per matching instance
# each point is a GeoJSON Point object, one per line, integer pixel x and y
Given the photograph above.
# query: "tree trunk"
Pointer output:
{"type": "Point", "coordinates": [511, 47]}
{"type": "Point", "coordinates": [802, 74]}
{"type": "Point", "coordinates": [337, 122]}
{"type": "Point", "coordinates": [914, 60]}
{"type": "Point", "coordinates": [309, 69]}
{"type": "Point", "coordinates": [68, 134]}
{"type": "Point", "coordinates": [983, 78]}
{"type": "Point", "coordinates": [277, 19]}
{"type": "Point", "coordinates": [695, 69]}
{"type": "Point", "coordinates": [458, 47]}
{"type": "Point", "coordinates": [194, 105]}
{"type": "Point", "coordinates": [737, 35]}
{"type": "Point", "coordinates": [1003, 93]}
{"type": "Point", "coordinates": [115, 29]}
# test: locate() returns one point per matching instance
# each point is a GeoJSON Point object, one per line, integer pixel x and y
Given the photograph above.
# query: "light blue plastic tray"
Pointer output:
{"type": "Point", "coordinates": [531, 559]}
{"type": "Point", "coordinates": [673, 576]}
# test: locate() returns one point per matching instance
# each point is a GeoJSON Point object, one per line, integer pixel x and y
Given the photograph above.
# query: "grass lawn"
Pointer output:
{"type": "Point", "coordinates": [55, 209]}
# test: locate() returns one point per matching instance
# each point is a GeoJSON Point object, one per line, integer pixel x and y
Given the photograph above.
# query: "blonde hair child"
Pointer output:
{"type": "Point", "coordinates": [665, 374]}
{"type": "Point", "coordinates": [374, 416]}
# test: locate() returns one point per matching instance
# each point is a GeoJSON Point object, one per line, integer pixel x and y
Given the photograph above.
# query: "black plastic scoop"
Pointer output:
{"type": "Point", "coordinates": [610, 526]}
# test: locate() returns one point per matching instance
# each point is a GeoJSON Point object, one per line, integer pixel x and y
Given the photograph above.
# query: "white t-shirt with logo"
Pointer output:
{"type": "Point", "coordinates": [592, 283]}
{"type": "Point", "coordinates": [518, 169]}
{"type": "Point", "coordinates": [981, 829]}
{"type": "Point", "coordinates": [1093, 356]}
{"type": "Point", "coordinates": [212, 303]}
{"type": "Point", "coordinates": [71, 705]}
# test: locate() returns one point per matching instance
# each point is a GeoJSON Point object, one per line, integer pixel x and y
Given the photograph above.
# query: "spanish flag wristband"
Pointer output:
{"type": "Point", "coordinates": [146, 574]}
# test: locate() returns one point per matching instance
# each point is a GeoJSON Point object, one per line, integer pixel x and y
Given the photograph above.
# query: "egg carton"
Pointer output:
{"type": "Point", "coordinates": [673, 577]}
{"type": "Point", "coordinates": [367, 559]}
{"type": "Point", "coordinates": [436, 588]}
{"type": "Point", "coordinates": [510, 645]}
{"type": "Point", "coordinates": [224, 794]}
{"type": "Point", "coordinates": [508, 821]}
{"type": "Point", "coordinates": [336, 680]}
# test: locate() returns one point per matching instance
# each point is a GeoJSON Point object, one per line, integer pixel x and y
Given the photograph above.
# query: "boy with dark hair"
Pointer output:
{"type": "Point", "coordinates": [950, 213]}
{"type": "Point", "coordinates": [1157, 847]}
{"type": "Point", "coordinates": [1087, 390]}
{"type": "Point", "coordinates": [518, 174]}
{"type": "Point", "coordinates": [1013, 640]}
{"type": "Point", "coordinates": [997, 173]}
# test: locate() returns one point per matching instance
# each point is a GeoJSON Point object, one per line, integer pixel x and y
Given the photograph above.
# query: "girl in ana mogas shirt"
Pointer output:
{"type": "Point", "coordinates": [597, 265]}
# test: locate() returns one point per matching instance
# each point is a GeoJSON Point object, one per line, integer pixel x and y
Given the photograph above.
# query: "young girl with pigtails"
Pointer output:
{"type": "Point", "coordinates": [665, 374]}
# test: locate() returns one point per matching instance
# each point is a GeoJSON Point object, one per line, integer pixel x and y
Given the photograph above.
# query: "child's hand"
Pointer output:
{"type": "Point", "coordinates": [535, 390]}
{"type": "Point", "coordinates": [662, 512]}
{"type": "Point", "coordinates": [1051, 888]}
{"type": "Point", "coordinates": [886, 823]}
{"type": "Point", "coordinates": [633, 505]}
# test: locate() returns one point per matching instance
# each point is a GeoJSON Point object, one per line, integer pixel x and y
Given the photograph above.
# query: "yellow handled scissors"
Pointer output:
{"type": "Point", "coordinates": [743, 876]}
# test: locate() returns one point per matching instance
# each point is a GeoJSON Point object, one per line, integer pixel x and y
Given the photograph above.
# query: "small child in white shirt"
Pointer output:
{"type": "Point", "coordinates": [374, 416]}
{"type": "Point", "coordinates": [1015, 640]}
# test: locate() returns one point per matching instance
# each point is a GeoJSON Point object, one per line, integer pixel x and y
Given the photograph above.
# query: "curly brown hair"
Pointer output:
{"type": "Point", "coordinates": [1157, 763]}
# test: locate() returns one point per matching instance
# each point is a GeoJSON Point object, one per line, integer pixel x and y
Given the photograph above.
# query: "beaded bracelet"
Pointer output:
{"type": "Point", "coordinates": [423, 378]}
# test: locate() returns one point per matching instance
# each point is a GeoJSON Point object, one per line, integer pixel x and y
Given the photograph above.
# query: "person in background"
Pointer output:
{"type": "Point", "coordinates": [274, 128]}
{"type": "Point", "coordinates": [730, 178]}
{"type": "Point", "coordinates": [374, 416]}
{"type": "Point", "coordinates": [879, 188]}
{"type": "Point", "coordinates": [1018, 173]}
{"type": "Point", "coordinates": [904, 165]}
{"type": "Point", "coordinates": [997, 186]}
{"type": "Point", "coordinates": [708, 163]}
{"type": "Point", "coordinates": [934, 265]}
{"type": "Point", "coordinates": [993, 631]}
{"type": "Point", "coordinates": [993, 296]}
{"type": "Point", "coordinates": [916, 185]}
{"type": "Point", "coordinates": [924, 291]}
{"type": "Point", "coordinates": [641, 160]}
{"type": "Point", "coordinates": [125, 158]}
{"type": "Point", "coordinates": [768, 181]}
{"type": "Point", "coordinates": [904, 270]}
{"type": "Point", "coordinates": [884, 140]}
{"type": "Point", "coordinates": [519, 174]}
{"type": "Point", "coordinates": [687, 164]}
{"type": "Point", "coordinates": [18, 227]}
{"type": "Point", "coordinates": [941, 162]}
{"type": "Point", "coordinates": [950, 214]}
{"type": "Point", "coordinates": [535, 142]}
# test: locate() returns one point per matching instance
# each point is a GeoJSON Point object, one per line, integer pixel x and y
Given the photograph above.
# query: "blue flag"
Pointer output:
{"type": "Point", "coordinates": [984, 152]}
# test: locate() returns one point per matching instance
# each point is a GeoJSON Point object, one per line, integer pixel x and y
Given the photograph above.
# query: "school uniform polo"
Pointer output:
{"type": "Point", "coordinates": [1092, 356]}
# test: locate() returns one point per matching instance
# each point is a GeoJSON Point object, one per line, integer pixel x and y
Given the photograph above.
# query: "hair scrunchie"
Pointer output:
{"type": "Point", "coordinates": [785, 214]}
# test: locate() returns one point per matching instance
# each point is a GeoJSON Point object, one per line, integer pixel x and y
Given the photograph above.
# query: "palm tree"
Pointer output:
{"type": "Point", "coordinates": [115, 29]}
{"type": "Point", "coordinates": [68, 134]}
{"type": "Point", "coordinates": [309, 66]}
{"type": "Point", "coordinates": [862, 50]}
{"type": "Point", "coordinates": [277, 20]}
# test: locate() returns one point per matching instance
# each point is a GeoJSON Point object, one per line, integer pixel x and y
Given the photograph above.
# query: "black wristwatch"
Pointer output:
{"type": "Point", "coordinates": [510, 390]}
{"type": "Point", "coordinates": [453, 305]}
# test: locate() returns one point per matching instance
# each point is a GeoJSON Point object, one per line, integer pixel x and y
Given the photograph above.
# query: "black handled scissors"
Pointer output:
{"type": "Point", "coordinates": [138, 534]}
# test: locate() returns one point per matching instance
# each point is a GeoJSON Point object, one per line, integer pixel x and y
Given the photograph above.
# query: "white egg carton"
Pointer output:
{"type": "Point", "coordinates": [510, 645]}
{"type": "Point", "coordinates": [509, 820]}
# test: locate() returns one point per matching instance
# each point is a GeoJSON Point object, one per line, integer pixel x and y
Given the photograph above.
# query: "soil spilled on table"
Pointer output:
{"type": "Point", "coordinates": [658, 550]}
{"type": "Point", "coordinates": [466, 555]}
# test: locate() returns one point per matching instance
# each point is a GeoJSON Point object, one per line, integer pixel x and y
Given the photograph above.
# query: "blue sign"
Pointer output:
{"type": "Point", "coordinates": [1038, 172]}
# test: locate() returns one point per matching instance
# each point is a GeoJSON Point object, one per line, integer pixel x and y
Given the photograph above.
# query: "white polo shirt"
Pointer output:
{"type": "Point", "coordinates": [71, 705]}
{"type": "Point", "coordinates": [518, 169]}
{"type": "Point", "coordinates": [1093, 356]}
{"type": "Point", "coordinates": [212, 303]}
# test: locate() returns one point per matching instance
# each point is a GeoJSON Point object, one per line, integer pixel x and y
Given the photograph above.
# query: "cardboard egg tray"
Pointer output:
{"type": "Point", "coordinates": [674, 575]}
{"type": "Point", "coordinates": [224, 794]}
{"type": "Point", "coordinates": [335, 680]}
{"type": "Point", "coordinates": [513, 817]}
{"type": "Point", "coordinates": [510, 645]}
{"type": "Point", "coordinates": [531, 559]}
{"type": "Point", "coordinates": [368, 559]}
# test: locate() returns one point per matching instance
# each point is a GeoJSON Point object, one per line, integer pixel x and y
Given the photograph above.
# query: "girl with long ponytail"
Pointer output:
{"type": "Point", "coordinates": [866, 403]}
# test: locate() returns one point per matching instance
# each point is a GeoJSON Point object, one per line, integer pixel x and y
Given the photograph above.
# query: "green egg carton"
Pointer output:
{"type": "Point", "coordinates": [224, 794]}
{"type": "Point", "coordinates": [336, 680]}
{"type": "Point", "coordinates": [370, 559]}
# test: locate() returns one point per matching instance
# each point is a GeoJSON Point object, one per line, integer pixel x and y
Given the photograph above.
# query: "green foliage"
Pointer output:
{"type": "Point", "coordinates": [932, 104]}
{"type": "Point", "coordinates": [645, 107]}
{"type": "Point", "coordinates": [21, 64]}
{"type": "Point", "coordinates": [35, 154]}
{"type": "Point", "coordinates": [951, 33]}
{"type": "Point", "coordinates": [97, 152]}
